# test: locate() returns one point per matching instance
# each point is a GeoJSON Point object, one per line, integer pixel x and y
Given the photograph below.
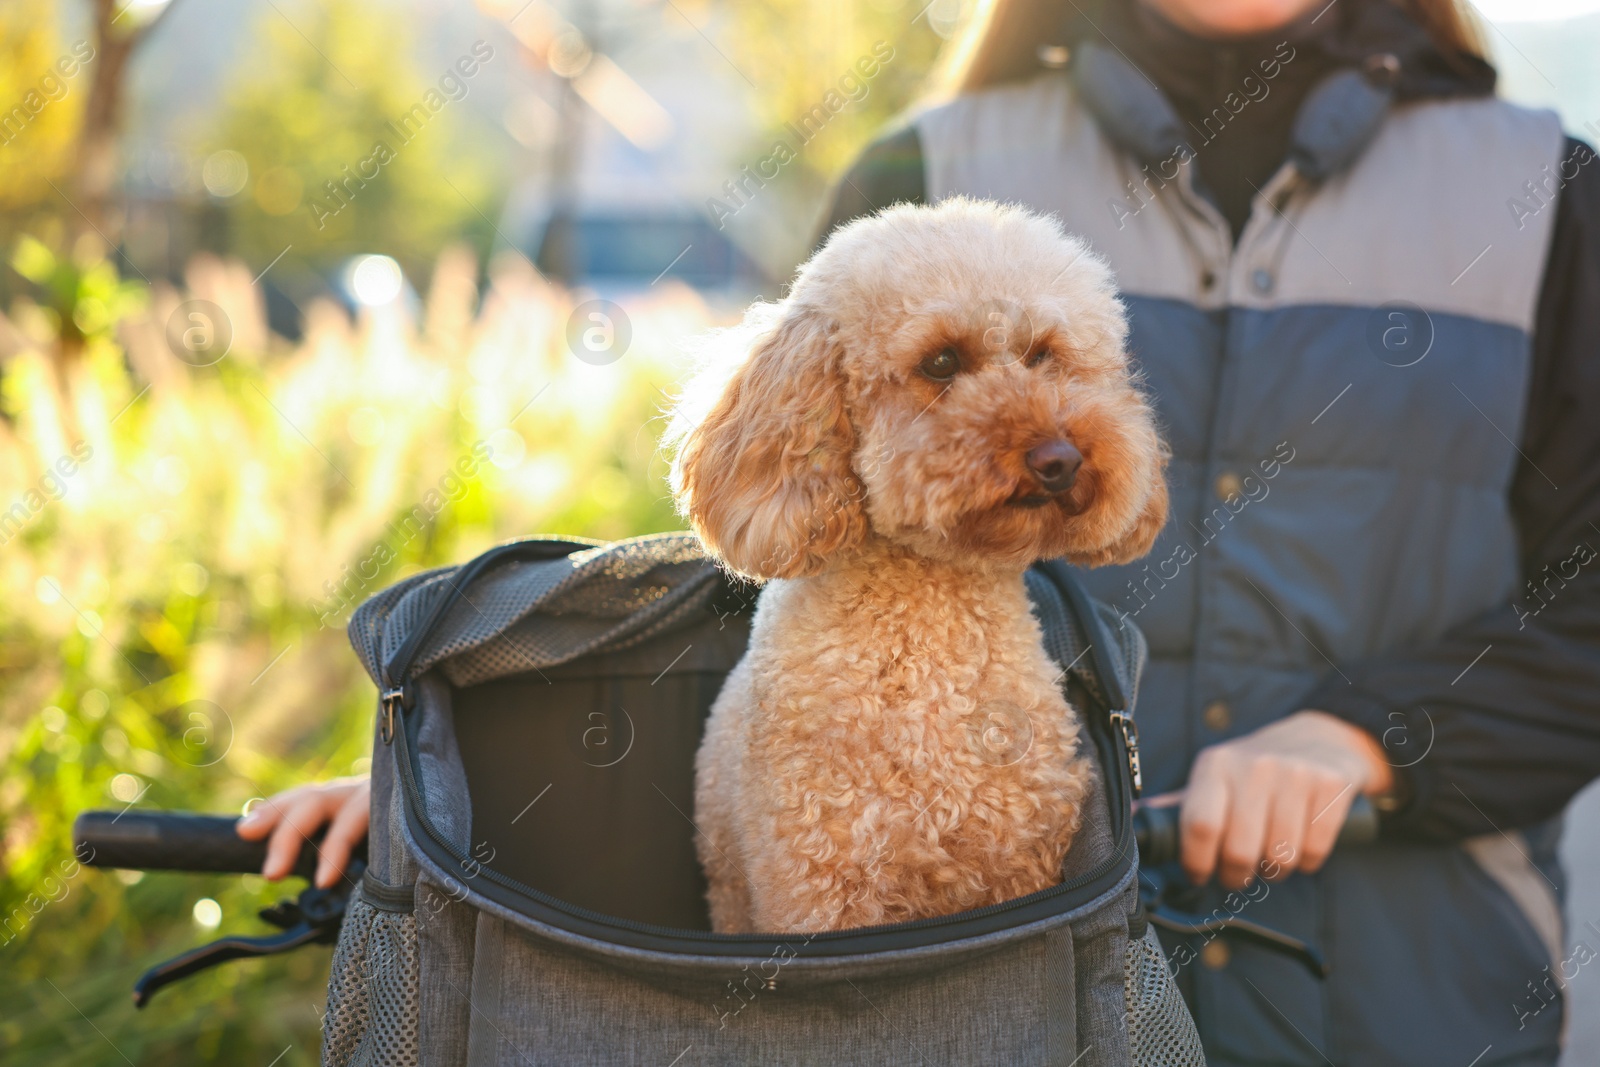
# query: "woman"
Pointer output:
{"type": "Point", "coordinates": [1366, 298]}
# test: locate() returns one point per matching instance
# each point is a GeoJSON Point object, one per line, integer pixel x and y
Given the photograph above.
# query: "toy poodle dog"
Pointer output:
{"type": "Point", "coordinates": [942, 399]}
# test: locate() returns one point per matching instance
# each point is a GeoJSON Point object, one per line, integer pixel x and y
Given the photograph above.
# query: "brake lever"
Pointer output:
{"type": "Point", "coordinates": [1179, 922]}
{"type": "Point", "coordinates": [1157, 831]}
{"type": "Point", "coordinates": [314, 917]}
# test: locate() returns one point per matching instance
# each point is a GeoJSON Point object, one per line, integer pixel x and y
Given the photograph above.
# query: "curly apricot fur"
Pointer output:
{"type": "Point", "coordinates": [894, 744]}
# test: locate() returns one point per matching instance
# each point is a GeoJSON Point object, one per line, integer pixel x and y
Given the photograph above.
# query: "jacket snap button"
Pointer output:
{"type": "Point", "coordinates": [1215, 955]}
{"type": "Point", "coordinates": [1229, 485]}
{"type": "Point", "coordinates": [1217, 716]}
{"type": "Point", "coordinates": [1262, 280]}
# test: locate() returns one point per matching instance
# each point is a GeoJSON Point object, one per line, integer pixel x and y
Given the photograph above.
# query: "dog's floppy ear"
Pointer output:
{"type": "Point", "coordinates": [764, 475]}
{"type": "Point", "coordinates": [1138, 541]}
{"type": "Point", "coordinates": [1141, 536]}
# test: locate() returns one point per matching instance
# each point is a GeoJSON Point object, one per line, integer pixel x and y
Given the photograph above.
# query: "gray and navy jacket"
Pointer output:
{"type": "Point", "coordinates": [1381, 386]}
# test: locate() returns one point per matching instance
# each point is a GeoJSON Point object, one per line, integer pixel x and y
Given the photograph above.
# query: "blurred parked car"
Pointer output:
{"type": "Point", "coordinates": [614, 253]}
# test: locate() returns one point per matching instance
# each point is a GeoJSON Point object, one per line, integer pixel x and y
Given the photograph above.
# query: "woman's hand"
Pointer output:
{"type": "Point", "coordinates": [295, 814]}
{"type": "Point", "coordinates": [1275, 799]}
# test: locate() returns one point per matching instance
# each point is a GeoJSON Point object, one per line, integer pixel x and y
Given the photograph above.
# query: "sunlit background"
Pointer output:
{"type": "Point", "coordinates": [298, 297]}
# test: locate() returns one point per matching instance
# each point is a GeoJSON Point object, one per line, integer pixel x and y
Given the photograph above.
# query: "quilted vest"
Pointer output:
{"type": "Point", "coordinates": [1342, 390]}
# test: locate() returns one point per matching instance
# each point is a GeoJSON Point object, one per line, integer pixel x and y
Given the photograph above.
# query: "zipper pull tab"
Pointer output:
{"type": "Point", "coordinates": [389, 704]}
{"type": "Point", "coordinates": [1130, 740]}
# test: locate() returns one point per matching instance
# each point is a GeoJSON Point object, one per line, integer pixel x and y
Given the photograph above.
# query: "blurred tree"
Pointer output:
{"type": "Point", "coordinates": [35, 145]}
{"type": "Point", "coordinates": [800, 51]}
{"type": "Point", "coordinates": [827, 76]}
{"type": "Point", "coordinates": [118, 30]}
{"type": "Point", "coordinates": [337, 158]}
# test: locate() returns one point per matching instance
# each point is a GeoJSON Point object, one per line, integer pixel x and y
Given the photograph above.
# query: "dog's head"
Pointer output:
{"type": "Point", "coordinates": [952, 379]}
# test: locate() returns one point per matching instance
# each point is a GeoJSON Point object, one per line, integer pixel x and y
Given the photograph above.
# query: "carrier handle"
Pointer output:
{"type": "Point", "coordinates": [1119, 713]}
{"type": "Point", "coordinates": [394, 671]}
{"type": "Point", "coordinates": [1094, 631]}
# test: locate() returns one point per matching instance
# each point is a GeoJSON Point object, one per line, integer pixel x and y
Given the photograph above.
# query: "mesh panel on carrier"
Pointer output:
{"type": "Point", "coordinates": [1161, 1032]}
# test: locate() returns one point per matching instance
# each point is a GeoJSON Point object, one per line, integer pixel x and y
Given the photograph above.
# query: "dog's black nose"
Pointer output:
{"type": "Point", "coordinates": [1056, 464]}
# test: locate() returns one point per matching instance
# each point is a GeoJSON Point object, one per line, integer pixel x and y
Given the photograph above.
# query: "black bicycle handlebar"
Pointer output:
{"type": "Point", "coordinates": [179, 841]}
{"type": "Point", "coordinates": [190, 842]}
{"type": "Point", "coordinates": [186, 841]}
{"type": "Point", "coordinates": [1156, 831]}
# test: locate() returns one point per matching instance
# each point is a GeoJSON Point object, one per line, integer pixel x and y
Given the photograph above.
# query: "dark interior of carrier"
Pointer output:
{"type": "Point", "coordinates": [582, 776]}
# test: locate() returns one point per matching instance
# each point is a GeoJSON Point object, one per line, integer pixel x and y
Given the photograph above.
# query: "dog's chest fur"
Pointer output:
{"type": "Point", "coordinates": [894, 745]}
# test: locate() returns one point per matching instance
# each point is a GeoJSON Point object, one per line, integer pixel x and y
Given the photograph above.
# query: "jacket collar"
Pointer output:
{"type": "Point", "coordinates": [1337, 120]}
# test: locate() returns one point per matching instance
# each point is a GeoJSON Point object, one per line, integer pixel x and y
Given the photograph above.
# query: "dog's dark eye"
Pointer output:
{"type": "Point", "coordinates": [1037, 357]}
{"type": "Point", "coordinates": [942, 365]}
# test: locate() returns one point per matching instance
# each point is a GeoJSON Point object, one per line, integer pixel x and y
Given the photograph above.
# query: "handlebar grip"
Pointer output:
{"type": "Point", "coordinates": [175, 841]}
{"type": "Point", "coordinates": [1156, 831]}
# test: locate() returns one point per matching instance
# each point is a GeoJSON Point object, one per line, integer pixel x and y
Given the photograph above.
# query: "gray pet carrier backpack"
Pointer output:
{"type": "Point", "coordinates": [533, 895]}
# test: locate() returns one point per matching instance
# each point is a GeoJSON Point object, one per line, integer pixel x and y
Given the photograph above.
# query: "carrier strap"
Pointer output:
{"type": "Point", "coordinates": [1118, 688]}
{"type": "Point", "coordinates": [399, 665]}
{"type": "Point", "coordinates": [488, 961]}
{"type": "Point", "coordinates": [1094, 631]}
{"type": "Point", "coordinates": [1060, 998]}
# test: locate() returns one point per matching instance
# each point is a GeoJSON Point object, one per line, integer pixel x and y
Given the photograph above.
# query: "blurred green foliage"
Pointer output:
{"type": "Point", "coordinates": [302, 118]}
{"type": "Point", "coordinates": [175, 537]}
{"type": "Point", "coordinates": [172, 637]}
{"type": "Point", "coordinates": [81, 296]}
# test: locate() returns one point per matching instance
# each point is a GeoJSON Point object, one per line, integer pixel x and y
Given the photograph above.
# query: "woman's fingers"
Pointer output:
{"type": "Point", "coordinates": [294, 816]}
{"type": "Point", "coordinates": [260, 817]}
{"type": "Point", "coordinates": [1287, 825]}
{"type": "Point", "coordinates": [301, 817]}
{"type": "Point", "coordinates": [1331, 804]}
{"type": "Point", "coordinates": [1204, 815]}
{"type": "Point", "coordinates": [348, 828]}
{"type": "Point", "coordinates": [1274, 801]}
{"type": "Point", "coordinates": [1256, 783]}
{"type": "Point", "coordinates": [1260, 815]}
